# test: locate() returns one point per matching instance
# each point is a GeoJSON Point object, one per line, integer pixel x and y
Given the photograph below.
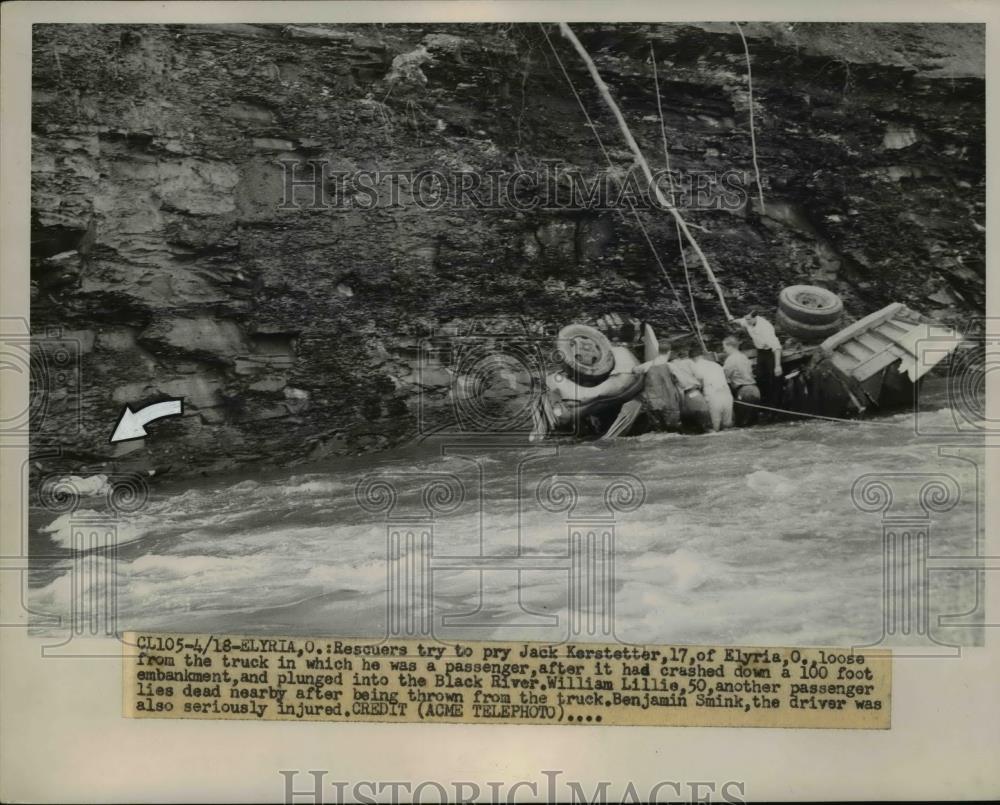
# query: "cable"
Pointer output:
{"type": "Point", "coordinates": [670, 178]}
{"type": "Point", "coordinates": [611, 164]}
{"type": "Point", "coordinates": [640, 159]}
{"type": "Point", "coordinates": [753, 137]}
{"type": "Point", "coordinates": [811, 416]}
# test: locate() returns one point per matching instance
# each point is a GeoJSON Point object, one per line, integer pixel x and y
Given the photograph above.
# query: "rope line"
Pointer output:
{"type": "Point", "coordinates": [611, 164]}
{"type": "Point", "coordinates": [626, 132]}
{"type": "Point", "coordinates": [663, 268]}
{"type": "Point", "coordinates": [753, 136]}
{"type": "Point", "coordinates": [811, 416]}
{"type": "Point", "coordinates": [673, 196]}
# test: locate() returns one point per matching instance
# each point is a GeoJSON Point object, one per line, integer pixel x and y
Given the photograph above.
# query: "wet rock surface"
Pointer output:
{"type": "Point", "coordinates": [165, 252]}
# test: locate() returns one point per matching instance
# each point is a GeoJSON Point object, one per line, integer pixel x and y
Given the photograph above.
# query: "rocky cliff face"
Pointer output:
{"type": "Point", "coordinates": [165, 247]}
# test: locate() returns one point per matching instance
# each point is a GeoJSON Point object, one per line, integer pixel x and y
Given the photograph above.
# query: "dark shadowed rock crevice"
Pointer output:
{"type": "Point", "coordinates": [164, 246]}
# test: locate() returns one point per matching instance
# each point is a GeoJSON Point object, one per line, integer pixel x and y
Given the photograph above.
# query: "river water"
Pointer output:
{"type": "Point", "coordinates": [744, 537]}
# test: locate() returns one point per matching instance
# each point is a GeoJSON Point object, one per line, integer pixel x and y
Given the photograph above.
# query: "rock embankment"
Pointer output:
{"type": "Point", "coordinates": [166, 254]}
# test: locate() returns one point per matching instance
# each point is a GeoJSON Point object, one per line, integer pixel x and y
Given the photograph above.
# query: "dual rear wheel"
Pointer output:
{"type": "Point", "coordinates": [809, 313]}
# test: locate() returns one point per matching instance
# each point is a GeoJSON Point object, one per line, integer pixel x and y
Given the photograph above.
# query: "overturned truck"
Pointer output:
{"type": "Point", "coordinates": [868, 366]}
{"type": "Point", "coordinates": [829, 370]}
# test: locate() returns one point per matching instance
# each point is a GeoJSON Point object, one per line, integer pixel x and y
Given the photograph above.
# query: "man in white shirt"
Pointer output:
{"type": "Point", "coordinates": [715, 387]}
{"type": "Point", "coordinates": [768, 347]}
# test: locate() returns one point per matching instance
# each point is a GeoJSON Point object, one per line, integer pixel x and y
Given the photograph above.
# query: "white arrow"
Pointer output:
{"type": "Point", "coordinates": [131, 423]}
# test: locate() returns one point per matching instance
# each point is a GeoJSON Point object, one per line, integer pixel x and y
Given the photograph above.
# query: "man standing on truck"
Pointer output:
{"type": "Point", "coordinates": [769, 371]}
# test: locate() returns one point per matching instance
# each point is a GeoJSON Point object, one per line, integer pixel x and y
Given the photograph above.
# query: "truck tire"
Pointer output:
{"type": "Point", "coordinates": [590, 365]}
{"type": "Point", "coordinates": [808, 333]}
{"type": "Point", "coordinates": [810, 304]}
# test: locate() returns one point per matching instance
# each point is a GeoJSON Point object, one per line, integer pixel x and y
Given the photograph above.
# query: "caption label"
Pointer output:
{"type": "Point", "coordinates": [327, 679]}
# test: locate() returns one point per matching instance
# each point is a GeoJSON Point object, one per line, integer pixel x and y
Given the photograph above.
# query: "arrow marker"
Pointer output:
{"type": "Point", "coordinates": [131, 424]}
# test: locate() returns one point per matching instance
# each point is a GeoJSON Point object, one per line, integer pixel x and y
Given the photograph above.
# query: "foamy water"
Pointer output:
{"type": "Point", "coordinates": [748, 536]}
